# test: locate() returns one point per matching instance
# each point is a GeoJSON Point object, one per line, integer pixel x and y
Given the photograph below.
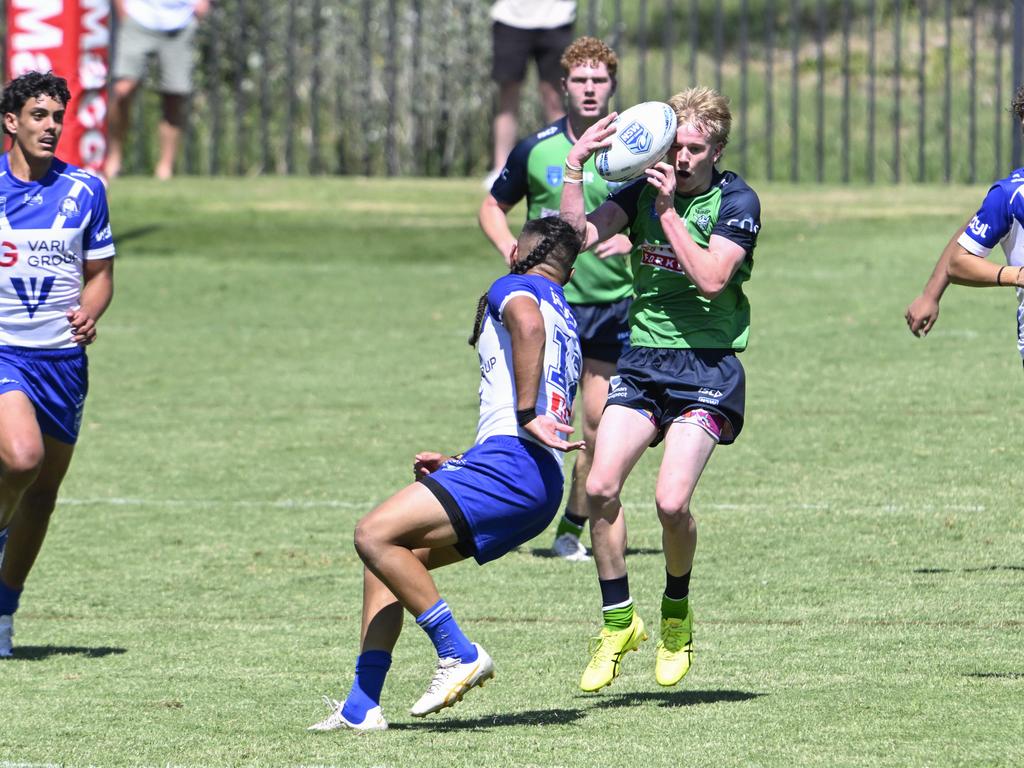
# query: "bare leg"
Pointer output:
{"type": "Point", "coordinates": [687, 450]}
{"type": "Point", "coordinates": [21, 451]}
{"type": "Point", "coordinates": [594, 383]}
{"type": "Point", "coordinates": [552, 100]}
{"type": "Point", "coordinates": [170, 133]}
{"type": "Point", "coordinates": [118, 120]}
{"type": "Point", "coordinates": [622, 437]}
{"type": "Point", "coordinates": [506, 122]}
{"type": "Point", "coordinates": [30, 523]}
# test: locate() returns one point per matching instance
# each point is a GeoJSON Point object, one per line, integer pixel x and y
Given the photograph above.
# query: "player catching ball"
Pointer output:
{"type": "Point", "coordinates": [501, 493]}
{"type": "Point", "coordinates": [693, 230]}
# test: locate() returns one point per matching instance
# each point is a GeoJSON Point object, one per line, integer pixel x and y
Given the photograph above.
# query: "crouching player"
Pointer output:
{"type": "Point", "coordinates": [501, 493]}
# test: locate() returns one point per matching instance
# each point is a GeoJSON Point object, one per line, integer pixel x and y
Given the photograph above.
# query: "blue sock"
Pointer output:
{"type": "Point", "coordinates": [439, 624]}
{"type": "Point", "coordinates": [371, 669]}
{"type": "Point", "coordinates": [8, 599]}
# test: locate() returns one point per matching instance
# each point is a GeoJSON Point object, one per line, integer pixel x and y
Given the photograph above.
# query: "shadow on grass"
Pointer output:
{"type": "Point", "coordinates": [996, 675]}
{"type": "Point", "coordinates": [531, 717]}
{"type": "Point", "coordinates": [40, 652]}
{"type": "Point", "coordinates": [542, 552]}
{"type": "Point", "coordinates": [979, 569]}
{"type": "Point", "coordinates": [681, 698]}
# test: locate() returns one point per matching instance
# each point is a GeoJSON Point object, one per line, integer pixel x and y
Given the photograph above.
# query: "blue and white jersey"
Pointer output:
{"type": "Point", "coordinates": [1000, 220]}
{"type": "Point", "coordinates": [48, 228]}
{"type": "Point", "coordinates": [562, 358]}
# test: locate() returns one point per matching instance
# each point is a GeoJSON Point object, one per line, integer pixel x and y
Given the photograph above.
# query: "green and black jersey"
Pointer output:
{"type": "Point", "coordinates": [534, 171]}
{"type": "Point", "coordinates": [667, 310]}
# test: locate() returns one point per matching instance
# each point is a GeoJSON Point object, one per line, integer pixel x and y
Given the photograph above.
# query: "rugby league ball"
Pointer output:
{"type": "Point", "coordinates": [643, 135]}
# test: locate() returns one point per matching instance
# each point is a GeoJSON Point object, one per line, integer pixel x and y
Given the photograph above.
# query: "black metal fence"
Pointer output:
{"type": "Point", "coordinates": [822, 90]}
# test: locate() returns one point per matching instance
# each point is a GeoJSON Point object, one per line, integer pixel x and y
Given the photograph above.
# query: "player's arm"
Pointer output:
{"type": "Point", "coordinates": [522, 318]}
{"type": "Point", "coordinates": [493, 218]}
{"type": "Point", "coordinates": [709, 268]}
{"type": "Point", "coordinates": [608, 219]}
{"type": "Point", "coordinates": [966, 268]}
{"type": "Point", "coordinates": [97, 291]}
{"type": "Point", "coordinates": [924, 310]}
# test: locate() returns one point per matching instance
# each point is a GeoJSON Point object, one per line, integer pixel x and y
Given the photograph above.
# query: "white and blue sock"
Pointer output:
{"type": "Point", "coordinates": [371, 669]}
{"type": "Point", "coordinates": [439, 624]}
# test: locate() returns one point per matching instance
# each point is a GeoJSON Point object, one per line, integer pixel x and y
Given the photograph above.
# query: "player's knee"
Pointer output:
{"type": "Point", "coordinates": [369, 536]}
{"type": "Point", "coordinates": [673, 510]}
{"type": "Point", "coordinates": [22, 464]}
{"type": "Point", "coordinates": [603, 489]}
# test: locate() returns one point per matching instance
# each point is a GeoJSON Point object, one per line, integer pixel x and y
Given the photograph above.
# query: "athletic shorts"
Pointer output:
{"type": "Point", "coordinates": [603, 329]}
{"type": "Point", "coordinates": [55, 380]}
{"type": "Point", "coordinates": [135, 43]}
{"type": "Point", "coordinates": [666, 383]}
{"type": "Point", "coordinates": [514, 47]}
{"type": "Point", "coordinates": [500, 494]}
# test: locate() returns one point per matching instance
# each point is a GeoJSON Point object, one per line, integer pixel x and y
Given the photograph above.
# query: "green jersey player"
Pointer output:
{"type": "Point", "coordinates": [600, 289]}
{"type": "Point", "coordinates": [693, 229]}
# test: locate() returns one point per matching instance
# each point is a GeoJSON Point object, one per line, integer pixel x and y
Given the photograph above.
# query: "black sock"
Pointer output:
{"type": "Point", "coordinates": [677, 587]}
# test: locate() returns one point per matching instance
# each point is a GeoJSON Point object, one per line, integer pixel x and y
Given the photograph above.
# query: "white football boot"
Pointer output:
{"type": "Point", "coordinates": [569, 547]}
{"type": "Point", "coordinates": [374, 720]}
{"type": "Point", "coordinates": [451, 681]}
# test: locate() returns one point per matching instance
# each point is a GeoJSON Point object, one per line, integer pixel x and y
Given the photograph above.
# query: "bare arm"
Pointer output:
{"type": "Point", "coordinates": [967, 269]}
{"type": "Point", "coordinates": [525, 324]}
{"type": "Point", "coordinates": [493, 218]}
{"type": "Point", "coordinates": [924, 310]}
{"type": "Point", "coordinates": [97, 291]}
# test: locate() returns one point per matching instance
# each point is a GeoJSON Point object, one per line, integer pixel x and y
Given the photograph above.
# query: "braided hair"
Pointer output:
{"type": "Point", "coordinates": [558, 244]}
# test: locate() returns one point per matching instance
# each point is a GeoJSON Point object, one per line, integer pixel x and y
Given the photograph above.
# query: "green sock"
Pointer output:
{"type": "Point", "coordinates": [617, 619]}
{"type": "Point", "coordinates": [674, 609]}
{"type": "Point", "coordinates": [565, 525]}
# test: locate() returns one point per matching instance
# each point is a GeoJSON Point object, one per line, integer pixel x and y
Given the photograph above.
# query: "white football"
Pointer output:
{"type": "Point", "coordinates": [642, 137]}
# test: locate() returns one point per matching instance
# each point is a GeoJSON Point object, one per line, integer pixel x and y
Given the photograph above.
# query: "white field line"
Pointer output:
{"type": "Point", "coordinates": [629, 503]}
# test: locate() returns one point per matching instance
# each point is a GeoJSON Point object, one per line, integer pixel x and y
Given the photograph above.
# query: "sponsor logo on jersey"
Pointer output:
{"type": "Point", "coordinates": [554, 175]}
{"type": "Point", "coordinates": [977, 228]}
{"type": "Point", "coordinates": [660, 257]}
{"type": "Point", "coordinates": [486, 366]}
{"type": "Point", "coordinates": [69, 208]}
{"type": "Point", "coordinates": [637, 139]}
{"type": "Point", "coordinates": [747, 223]}
{"type": "Point", "coordinates": [3, 205]}
{"type": "Point", "coordinates": [36, 199]}
{"type": "Point", "coordinates": [549, 131]}
{"type": "Point", "coordinates": [9, 255]}
{"type": "Point", "coordinates": [33, 294]}
{"type": "Point", "coordinates": [104, 234]}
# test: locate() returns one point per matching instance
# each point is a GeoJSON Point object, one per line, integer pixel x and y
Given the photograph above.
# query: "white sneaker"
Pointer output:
{"type": "Point", "coordinates": [451, 681]}
{"type": "Point", "coordinates": [374, 720]}
{"type": "Point", "coordinates": [6, 633]}
{"type": "Point", "coordinates": [569, 547]}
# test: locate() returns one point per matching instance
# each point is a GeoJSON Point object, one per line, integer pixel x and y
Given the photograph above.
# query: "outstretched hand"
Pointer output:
{"type": "Point", "coordinates": [594, 138]}
{"type": "Point", "coordinates": [547, 429]}
{"type": "Point", "coordinates": [427, 462]}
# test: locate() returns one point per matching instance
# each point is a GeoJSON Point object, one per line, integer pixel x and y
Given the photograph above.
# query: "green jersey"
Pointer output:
{"type": "Point", "coordinates": [534, 171]}
{"type": "Point", "coordinates": [667, 310]}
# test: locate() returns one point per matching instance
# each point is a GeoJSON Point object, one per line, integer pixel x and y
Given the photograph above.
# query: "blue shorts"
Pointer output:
{"type": "Point", "coordinates": [603, 329]}
{"type": "Point", "coordinates": [666, 383]}
{"type": "Point", "coordinates": [55, 380]}
{"type": "Point", "coordinates": [500, 494]}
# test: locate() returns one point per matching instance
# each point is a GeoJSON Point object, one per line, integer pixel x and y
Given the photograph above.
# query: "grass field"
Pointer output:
{"type": "Point", "coordinates": [278, 350]}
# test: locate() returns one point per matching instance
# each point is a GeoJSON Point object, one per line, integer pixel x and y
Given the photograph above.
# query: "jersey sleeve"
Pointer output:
{"type": "Point", "coordinates": [739, 218]}
{"type": "Point", "coordinates": [512, 183]}
{"type": "Point", "coordinates": [628, 198]}
{"type": "Point", "coordinates": [98, 242]}
{"type": "Point", "coordinates": [507, 288]}
{"type": "Point", "coordinates": [990, 224]}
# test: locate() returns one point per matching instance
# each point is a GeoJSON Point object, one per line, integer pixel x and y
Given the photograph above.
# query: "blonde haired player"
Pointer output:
{"type": "Point", "coordinates": [693, 229]}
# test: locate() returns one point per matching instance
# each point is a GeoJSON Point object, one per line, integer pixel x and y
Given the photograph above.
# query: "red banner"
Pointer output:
{"type": "Point", "coordinates": [71, 38]}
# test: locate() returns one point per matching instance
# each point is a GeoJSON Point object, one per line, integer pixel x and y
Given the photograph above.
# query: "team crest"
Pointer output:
{"type": "Point", "coordinates": [35, 199]}
{"type": "Point", "coordinates": [69, 207]}
{"type": "Point", "coordinates": [703, 222]}
{"type": "Point", "coordinates": [637, 139]}
{"type": "Point", "coordinates": [554, 175]}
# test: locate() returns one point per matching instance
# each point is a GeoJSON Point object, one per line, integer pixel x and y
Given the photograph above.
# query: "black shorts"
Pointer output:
{"type": "Point", "coordinates": [666, 383]}
{"type": "Point", "coordinates": [603, 329]}
{"type": "Point", "coordinates": [514, 47]}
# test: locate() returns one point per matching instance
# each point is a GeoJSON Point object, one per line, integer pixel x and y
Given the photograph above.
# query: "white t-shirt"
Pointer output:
{"type": "Point", "coordinates": [161, 15]}
{"type": "Point", "coordinates": [534, 14]}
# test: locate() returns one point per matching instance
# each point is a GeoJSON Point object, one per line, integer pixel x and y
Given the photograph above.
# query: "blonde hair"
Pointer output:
{"type": "Point", "coordinates": [706, 109]}
{"type": "Point", "coordinates": [585, 50]}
